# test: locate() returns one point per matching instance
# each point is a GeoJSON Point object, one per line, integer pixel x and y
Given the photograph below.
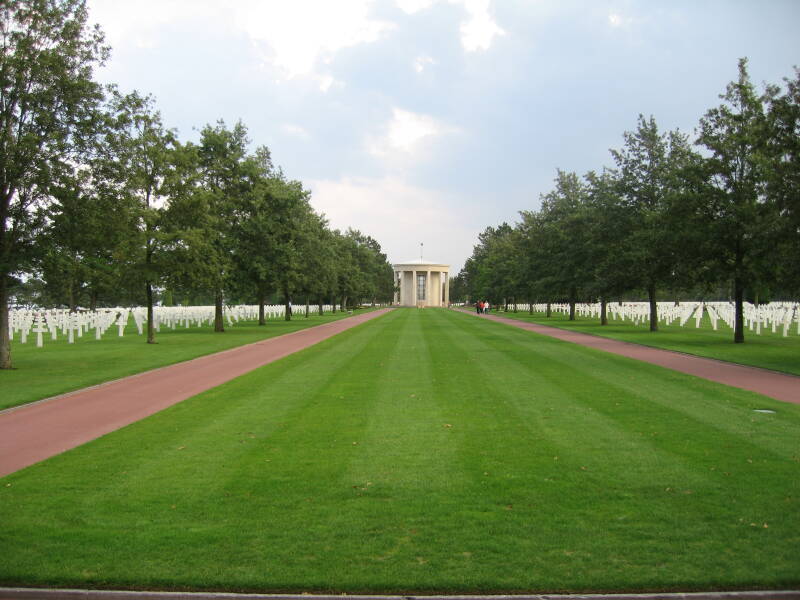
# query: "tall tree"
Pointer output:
{"type": "Point", "coordinates": [649, 167]}
{"type": "Point", "coordinates": [783, 178]}
{"type": "Point", "coordinates": [85, 242]}
{"type": "Point", "coordinates": [740, 218]}
{"type": "Point", "coordinates": [564, 238]}
{"type": "Point", "coordinates": [48, 101]}
{"type": "Point", "coordinates": [137, 167]}
{"type": "Point", "coordinates": [225, 177]}
{"type": "Point", "coordinates": [610, 225]}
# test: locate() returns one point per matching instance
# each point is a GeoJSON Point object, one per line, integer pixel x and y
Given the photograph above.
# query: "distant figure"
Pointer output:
{"type": "Point", "coordinates": [486, 307]}
{"type": "Point", "coordinates": [478, 307]}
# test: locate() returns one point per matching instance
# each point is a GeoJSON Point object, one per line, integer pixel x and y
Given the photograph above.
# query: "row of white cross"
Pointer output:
{"type": "Point", "coordinates": [24, 322]}
{"type": "Point", "coordinates": [756, 317]}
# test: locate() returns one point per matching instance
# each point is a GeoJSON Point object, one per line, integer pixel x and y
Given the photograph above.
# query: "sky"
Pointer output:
{"type": "Point", "coordinates": [426, 121]}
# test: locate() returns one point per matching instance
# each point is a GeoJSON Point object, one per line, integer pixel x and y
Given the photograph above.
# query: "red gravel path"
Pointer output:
{"type": "Point", "coordinates": [33, 432]}
{"type": "Point", "coordinates": [769, 383]}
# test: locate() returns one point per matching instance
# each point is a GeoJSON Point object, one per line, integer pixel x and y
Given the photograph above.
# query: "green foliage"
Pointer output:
{"type": "Point", "coordinates": [48, 110]}
{"type": "Point", "coordinates": [667, 217]}
{"type": "Point", "coordinates": [742, 223]}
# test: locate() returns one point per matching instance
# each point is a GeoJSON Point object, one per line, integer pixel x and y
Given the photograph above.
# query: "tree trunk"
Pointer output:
{"type": "Point", "coordinates": [505, 304]}
{"type": "Point", "coordinates": [572, 305]}
{"type": "Point", "coordinates": [93, 300]}
{"type": "Point", "coordinates": [333, 303]}
{"type": "Point", "coordinates": [261, 320]}
{"type": "Point", "coordinates": [738, 300]}
{"type": "Point", "coordinates": [651, 296]}
{"type": "Point", "coordinates": [320, 307]}
{"type": "Point", "coordinates": [548, 311]}
{"type": "Point", "coordinates": [307, 309]}
{"type": "Point", "coordinates": [5, 339]}
{"type": "Point", "coordinates": [151, 330]}
{"type": "Point", "coordinates": [73, 307]}
{"type": "Point", "coordinates": [344, 303]}
{"type": "Point", "coordinates": [603, 311]}
{"type": "Point", "coordinates": [287, 306]}
{"type": "Point", "coordinates": [530, 306]}
{"type": "Point", "coordinates": [219, 325]}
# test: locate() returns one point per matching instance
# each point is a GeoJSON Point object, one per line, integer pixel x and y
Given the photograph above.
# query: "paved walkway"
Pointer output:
{"type": "Point", "coordinates": [44, 594]}
{"type": "Point", "coordinates": [34, 432]}
{"type": "Point", "coordinates": [769, 383]}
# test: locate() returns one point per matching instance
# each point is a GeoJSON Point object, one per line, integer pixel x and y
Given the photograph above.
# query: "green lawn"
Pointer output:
{"type": "Point", "coordinates": [768, 350]}
{"type": "Point", "coordinates": [425, 451]}
{"type": "Point", "coordinates": [59, 367]}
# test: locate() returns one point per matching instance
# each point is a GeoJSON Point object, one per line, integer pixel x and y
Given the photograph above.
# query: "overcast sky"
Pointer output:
{"type": "Point", "coordinates": [427, 121]}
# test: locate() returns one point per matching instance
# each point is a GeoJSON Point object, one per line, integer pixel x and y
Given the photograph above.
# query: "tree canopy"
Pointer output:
{"type": "Point", "coordinates": [714, 215]}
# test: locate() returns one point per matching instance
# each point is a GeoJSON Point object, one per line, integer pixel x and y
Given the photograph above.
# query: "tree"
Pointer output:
{"type": "Point", "coordinates": [740, 217]}
{"type": "Point", "coordinates": [610, 225]}
{"type": "Point", "coordinates": [137, 167]}
{"type": "Point", "coordinates": [649, 166]}
{"type": "Point", "coordinates": [564, 239]}
{"type": "Point", "coordinates": [225, 177]}
{"type": "Point", "coordinates": [86, 241]}
{"type": "Point", "coordinates": [48, 103]}
{"type": "Point", "coordinates": [254, 244]}
{"type": "Point", "coordinates": [783, 178]}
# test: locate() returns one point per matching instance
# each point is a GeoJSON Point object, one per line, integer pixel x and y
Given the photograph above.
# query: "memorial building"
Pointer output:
{"type": "Point", "coordinates": [421, 283]}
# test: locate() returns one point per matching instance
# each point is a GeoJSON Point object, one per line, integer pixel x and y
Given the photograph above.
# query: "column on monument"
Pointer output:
{"type": "Point", "coordinates": [447, 289]}
{"type": "Point", "coordinates": [428, 288]}
{"type": "Point", "coordinates": [414, 288]}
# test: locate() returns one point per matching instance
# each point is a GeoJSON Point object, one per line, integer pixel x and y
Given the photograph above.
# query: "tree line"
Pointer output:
{"type": "Point", "coordinates": [101, 204]}
{"type": "Point", "coordinates": [716, 215]}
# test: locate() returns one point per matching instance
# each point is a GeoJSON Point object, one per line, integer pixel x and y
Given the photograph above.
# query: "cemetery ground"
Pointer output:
{"type": "Point", "coordinates": [59, 367]}
{"type": "Point", "coordinates": [767, 350]}
{"type": "Point", "coordinates": [425, 451]}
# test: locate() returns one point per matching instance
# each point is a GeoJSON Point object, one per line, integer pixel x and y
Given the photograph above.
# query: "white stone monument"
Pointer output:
{"type": "Point", "coordinates": [421, 283]}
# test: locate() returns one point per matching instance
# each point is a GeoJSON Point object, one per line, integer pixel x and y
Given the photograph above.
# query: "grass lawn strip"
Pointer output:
{"type": "Point", "coordinates": [59, 367]}
{"type": "Point", "coordinates": [425, 452]}
{"type": "Point", "coordinates": [768, 350]}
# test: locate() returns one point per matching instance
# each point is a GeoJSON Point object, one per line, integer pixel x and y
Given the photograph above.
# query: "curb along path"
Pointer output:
{"type": "Point", "coordinates": [33, 432]}
{"type": "Point", "coordinates": [776, 385]}
{"type": "Point", "coordinates": [44, 594]}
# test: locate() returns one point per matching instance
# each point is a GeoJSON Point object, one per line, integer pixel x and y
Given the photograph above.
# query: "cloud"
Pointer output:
{"type": "Point", "coordinates": [414, 6]}
{"type": "Point", "coordinates": [296, 36]}
{"type": "Point", "coordinates": [137, 23]}
{"type": "Point", "coordinates": [399, 215]}
{"type": "Point", "coordinates": [618, 20]}
{"type": "Point", "coordinates": [296, 131]}
{"type": "Point", "coordinates": [478, 32]}
{"type": "Point", "coordinates": [407, 135]}
{"type": "Point", "coordinates": [423, 62]}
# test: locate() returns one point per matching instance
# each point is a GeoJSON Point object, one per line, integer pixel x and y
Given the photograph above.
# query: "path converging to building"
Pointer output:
{"type": "Point", "coordinates": [780, 386]}
{"type": "Point", "coordinates": [33, 432]}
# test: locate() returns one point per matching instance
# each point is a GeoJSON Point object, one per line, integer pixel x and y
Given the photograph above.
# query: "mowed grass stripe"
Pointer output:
{"type": "Point", "coordinates": [425, 451]}
{"type": "Point", "coordinates": [613, 444]}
